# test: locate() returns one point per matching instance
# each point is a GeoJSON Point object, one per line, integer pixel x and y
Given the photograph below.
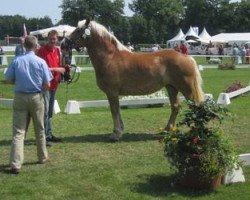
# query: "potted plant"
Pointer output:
{"type": "Point", "coordinates": [198, 149]}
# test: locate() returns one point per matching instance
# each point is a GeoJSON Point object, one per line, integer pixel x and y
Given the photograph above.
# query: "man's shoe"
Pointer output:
{"type": "Point", "coordinates": [54, 139]}
{"type": "Point", "coordinates": [14, 171]}
{"type": "Point", "coordinates": [44, 161]}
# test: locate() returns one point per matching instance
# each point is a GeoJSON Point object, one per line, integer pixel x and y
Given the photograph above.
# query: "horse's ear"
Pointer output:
{"type": "Point", "coordinates": [87, 21]}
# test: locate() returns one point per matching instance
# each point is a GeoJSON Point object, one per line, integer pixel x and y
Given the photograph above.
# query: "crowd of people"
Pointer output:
{"type": "Point", "coordinates": [35, 73]}
{"type": "Point", "coordinates": [239, 54]}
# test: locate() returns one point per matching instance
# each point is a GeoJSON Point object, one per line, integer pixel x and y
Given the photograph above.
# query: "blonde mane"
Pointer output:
{"type": "Point", "coordinates": [103, 32]}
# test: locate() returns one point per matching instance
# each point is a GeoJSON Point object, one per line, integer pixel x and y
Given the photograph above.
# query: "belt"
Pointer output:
{"type": "Point", "coordinates": [35, 92]}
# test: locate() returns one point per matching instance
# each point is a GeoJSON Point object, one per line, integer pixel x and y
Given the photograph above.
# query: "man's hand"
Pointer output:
{"type": "Point", "coordinates": [46, 86]}
{"type": "Point", "coordinates": [58, 69]}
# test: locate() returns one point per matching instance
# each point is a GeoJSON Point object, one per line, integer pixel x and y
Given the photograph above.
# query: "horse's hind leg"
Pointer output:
{"type": "Point", "coordinates": [117, 120]}
{"type": "Point", "coordinates": [175, 106]}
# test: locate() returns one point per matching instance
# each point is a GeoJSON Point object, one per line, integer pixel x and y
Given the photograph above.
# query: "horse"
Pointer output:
{"type": "Point", "coordinates": [122, 72]}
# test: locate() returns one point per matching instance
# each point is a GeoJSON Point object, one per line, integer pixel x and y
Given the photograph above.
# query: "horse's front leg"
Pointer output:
{"type": "Point", "coordinates": [117, 120]}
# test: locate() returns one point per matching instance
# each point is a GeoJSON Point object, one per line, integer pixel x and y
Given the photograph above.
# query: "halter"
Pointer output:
{"type": "Point", "coordinates": [71, 43]}
{"type": "Point", "coordinates": [70, 74]}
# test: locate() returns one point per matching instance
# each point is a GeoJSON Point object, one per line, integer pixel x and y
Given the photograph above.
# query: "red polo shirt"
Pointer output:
{"type": "Point", "coordinates": [52, 58]}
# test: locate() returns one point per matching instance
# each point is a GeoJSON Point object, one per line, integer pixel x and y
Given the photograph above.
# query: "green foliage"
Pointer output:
{"type": "Point", "coordinates": [13, 25]}
{"type": "Point", "coordinates": [106, 12]}
{"type": "Point", "coordinates": [161, 16]}
{"type": "Point", "coordinates": [199, 146]}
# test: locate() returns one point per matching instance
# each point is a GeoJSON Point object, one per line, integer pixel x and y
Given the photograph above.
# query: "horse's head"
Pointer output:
{"type": "Point", "coordinates": [78, 38]}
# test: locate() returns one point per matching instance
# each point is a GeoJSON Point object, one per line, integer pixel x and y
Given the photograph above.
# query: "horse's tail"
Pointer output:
{"type": "Point", "coordinates": [198, 95]}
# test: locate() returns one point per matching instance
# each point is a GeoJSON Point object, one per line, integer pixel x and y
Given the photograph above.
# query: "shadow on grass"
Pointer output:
{"type": "Point", "coordinates": [104, 138]}
{"type": "Point", "coordinates": [96, 138]}
{"type": "Point", "coordinates": [8, 142]}
{"type": "Point", "coordinates": [165, 186]}
{"type": "Point", "coordinates": [5, 169]}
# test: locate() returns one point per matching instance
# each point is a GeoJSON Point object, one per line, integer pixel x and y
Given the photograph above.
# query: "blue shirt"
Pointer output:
{"type": "Point", "coordinates": [29, 73]}
{"type": "Point", "coordinates": [20, 50]}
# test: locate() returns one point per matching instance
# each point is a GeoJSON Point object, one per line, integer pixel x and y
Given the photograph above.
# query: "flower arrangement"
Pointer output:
{"type": "Point", "coordinates": [226, 66]}
{"type": "Point", "coordinates": [198, 147]}
{"type": "Point", "coordinates": [235, 86]}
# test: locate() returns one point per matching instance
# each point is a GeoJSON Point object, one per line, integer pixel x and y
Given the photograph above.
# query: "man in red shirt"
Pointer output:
{"type": "Point", "coordinates": [51, 54]}
{"type": "Point", "coordinates": [183, 48]}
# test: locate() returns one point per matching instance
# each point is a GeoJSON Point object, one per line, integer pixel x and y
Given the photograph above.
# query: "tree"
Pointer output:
{"type": "Point", "coordinates": [13, 25]}
{"type": "Point", "coordinates": [106, 12]}
{"type": "Point", "coordinates": [241, 16]}
{"type": "Point", "coordinates": [138, 29]}
{"type": "Point", "coordinates": [161, 17]}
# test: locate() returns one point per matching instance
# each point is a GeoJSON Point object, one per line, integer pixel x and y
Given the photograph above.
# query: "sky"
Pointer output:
{"type": "Point", "coordinates": [39, 8]}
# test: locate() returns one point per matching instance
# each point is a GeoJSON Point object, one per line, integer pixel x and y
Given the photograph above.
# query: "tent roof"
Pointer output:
{"type": "Point", "coordinates": [178, 37]}
{"type": "Point", "coordinates": [204, 34]}
{"type": "Point", "coordinates": [191, 34]}
{"type": "Point", "coordinates": [231, 37]}
{"type": "Point", "coordinates": [63, 30]}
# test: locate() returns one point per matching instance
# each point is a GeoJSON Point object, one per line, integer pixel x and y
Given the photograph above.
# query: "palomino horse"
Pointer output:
{"type": "Point", "coordinates": [122, 72]}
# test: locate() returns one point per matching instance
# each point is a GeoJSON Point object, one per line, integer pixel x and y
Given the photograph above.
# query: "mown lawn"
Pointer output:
{"type": "Point", "coordinates": [87, 166]}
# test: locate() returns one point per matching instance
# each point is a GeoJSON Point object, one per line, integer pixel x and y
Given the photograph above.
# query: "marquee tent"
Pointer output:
{"type": "Point", "coordinates": [231, 38]}
{"type": "Point", "coordinates": [204, 36]}
{"type": "Point", "coordinates": [191, 34]}
{"type": "Point", "coordinates": [63, 30]}
{"type": "Point", "coordinates": [179, 37]}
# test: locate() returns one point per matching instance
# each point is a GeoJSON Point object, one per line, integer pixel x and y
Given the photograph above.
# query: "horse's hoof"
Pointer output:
{"type": "Point", "coordinates": [114, 138]}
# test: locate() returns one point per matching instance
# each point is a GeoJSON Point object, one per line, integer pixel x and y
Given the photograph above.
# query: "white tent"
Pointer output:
{"type": "Point", "coordinates": [204, 36]}
{"type": "Point", "coordinates": [231, 38]}
{"type": "Point", "coordinates": [191, 34]}
{"type": "Point", "coordinates": [63, 30]}
{"type": "Point", "coordinates": [179, 37]}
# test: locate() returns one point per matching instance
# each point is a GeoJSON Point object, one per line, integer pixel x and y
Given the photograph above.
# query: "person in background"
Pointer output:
{"type": "Point", "coordinates": [130, 47]}
{"type": "Point", "coordinates": [248, 54]}
{"type": "Point", "coordinates": [207, 52]}
{"type": "Point", "coordinates": [220, 50]}
{"type": "Point", "coordinates": [177, 48]}
{"type": "Point", "coordinates": [20, 49]}
{"type": "Point", "coordinates": [31, 75]}
{"type": "Point", "coordinates": [1, 53]}
{"type": "Point", "coordinates": [51, 54]}
{"type": "Point", "coordinates": [243, 53]}
{"type": "Point", "coordinates": [155, 48]}
{"type": "Point", "coordinates": [235, 54]}
{"type": "Point", "coordinates": [183, 48]}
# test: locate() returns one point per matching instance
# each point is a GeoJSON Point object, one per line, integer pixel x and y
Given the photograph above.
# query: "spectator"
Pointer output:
{"type": "Point", "coordinates": [51, 54]}
{"type": "Point", "coordinates": [207, 52]}
{"type": "Point", "coordinates": [177, 48]}
{"type": "Point", "coordinates": [1, 54]}
{"type": "Point", "coordinates": [221, 50]}
{"type": "Point", "coordinates": [31, 75]}
{"type": "Point", "coordinates": [155, 48]}
{"type": "Point", "coordinates": [243, 53]}
{"type": "Point", "coordinates": [183, 48]}
{"type": "Point", "coordinates": [235, 54]}
{"type": "Point", "coordinates": [130, 47]}
{"type": "Point", "coordinates": [20, 49]}
{"type": "Point", "coordinates": [248, 54]}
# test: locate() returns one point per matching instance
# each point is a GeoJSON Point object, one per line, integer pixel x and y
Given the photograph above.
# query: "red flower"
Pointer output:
{"type": "Point", "coordinates": [195, 140]}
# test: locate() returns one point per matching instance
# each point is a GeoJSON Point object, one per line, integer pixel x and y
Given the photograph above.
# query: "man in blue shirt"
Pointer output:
{"type": "Point", "coordinates": [20, 49]}
{"type": "Point", "coordinates": [31, 76]}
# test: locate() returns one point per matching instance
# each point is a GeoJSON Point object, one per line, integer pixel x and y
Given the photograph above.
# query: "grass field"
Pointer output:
{"type": "Point", "coordinates": [87, 166]}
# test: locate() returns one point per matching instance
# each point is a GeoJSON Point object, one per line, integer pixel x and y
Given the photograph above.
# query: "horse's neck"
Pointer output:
{"type": "Point", "coordinates": [100, 51]}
